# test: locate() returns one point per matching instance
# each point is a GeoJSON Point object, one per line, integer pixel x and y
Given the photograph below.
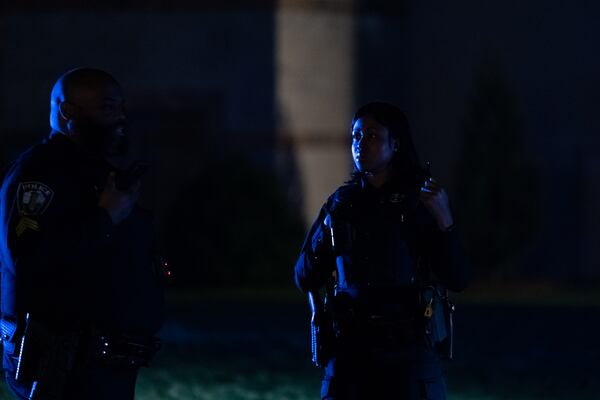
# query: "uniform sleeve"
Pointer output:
{"type": "Point", "coordinates": [52, 238]}
{"type": "Point", "coordinates": [316, 261]}
{"type": "Point", "coordinates": [446, 257]}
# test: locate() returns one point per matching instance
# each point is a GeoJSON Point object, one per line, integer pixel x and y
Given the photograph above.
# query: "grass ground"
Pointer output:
{"type": "Point", "coordinates": [512, 343]}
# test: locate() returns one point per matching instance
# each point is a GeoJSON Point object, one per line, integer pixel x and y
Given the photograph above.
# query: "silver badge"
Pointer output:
{"type": "Point", "coordinates": [33, 198]}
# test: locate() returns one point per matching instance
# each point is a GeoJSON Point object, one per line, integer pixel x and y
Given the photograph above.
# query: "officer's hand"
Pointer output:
{"type": "Point", "coordinates": [435, 199]}
{"type": "Point", "coordinates": [118, 203]}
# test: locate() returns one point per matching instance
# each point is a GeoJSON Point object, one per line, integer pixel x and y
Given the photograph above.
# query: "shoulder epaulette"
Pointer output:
{"type": "Point", "coordinates": [343, 197]}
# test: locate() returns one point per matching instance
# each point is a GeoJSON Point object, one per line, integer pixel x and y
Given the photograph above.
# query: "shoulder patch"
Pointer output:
{"type": "Point", "coordinates": [33, 198]}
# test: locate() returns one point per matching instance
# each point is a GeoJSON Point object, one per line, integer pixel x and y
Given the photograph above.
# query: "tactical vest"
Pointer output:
{"type": "Point", "coordinates": [375, 237]}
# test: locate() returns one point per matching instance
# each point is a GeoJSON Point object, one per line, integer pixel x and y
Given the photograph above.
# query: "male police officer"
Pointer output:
{"type": "Point", "coordinates": [81, 292]}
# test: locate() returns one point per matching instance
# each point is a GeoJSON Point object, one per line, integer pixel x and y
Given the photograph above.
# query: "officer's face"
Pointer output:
{"type": "Point", "coordinates": [101, 124]}
{"type": "Point", "coordinates": [372, 145]}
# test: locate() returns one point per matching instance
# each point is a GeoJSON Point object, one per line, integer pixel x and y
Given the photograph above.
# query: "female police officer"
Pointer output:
{"type": "Point", "coordinates": [384, 244]}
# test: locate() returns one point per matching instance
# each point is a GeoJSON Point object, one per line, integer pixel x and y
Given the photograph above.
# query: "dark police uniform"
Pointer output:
{"type": "Point", "coordinates": [385, 248]}
{"type": "Point", "coordinates": [67, 266]}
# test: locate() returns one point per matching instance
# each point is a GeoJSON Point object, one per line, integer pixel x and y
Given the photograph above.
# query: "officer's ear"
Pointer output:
{"type": "Point", "coordinates": [68, 111]}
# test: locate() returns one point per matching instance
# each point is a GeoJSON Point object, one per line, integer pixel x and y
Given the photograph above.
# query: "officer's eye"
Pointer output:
{"type": "Point", "coordinates": [356, 135]}
{"type": "Point", "coordinates": [370, 133]}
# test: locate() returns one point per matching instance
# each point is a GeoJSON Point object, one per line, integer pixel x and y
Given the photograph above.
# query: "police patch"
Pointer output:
{"type": "Point", "coordinates": [33, 198]}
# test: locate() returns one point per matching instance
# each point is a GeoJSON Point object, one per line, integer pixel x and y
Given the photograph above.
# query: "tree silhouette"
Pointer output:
{"type": "Point", "coordinates": [234, 226]}
{"type": "Point", "coordinates": [498, 186]}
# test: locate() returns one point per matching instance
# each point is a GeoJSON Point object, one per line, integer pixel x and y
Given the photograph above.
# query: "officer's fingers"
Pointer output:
{"type": "Point", "coordinates": [429, 191]}
{"type": "Point", "coordinates": [426, 198]}
{"type": "Point", "coordinates": [434, 187]}
{"type": "Point", "coordinates": [433, 184]}
{"type": "Point", "coordinates": [110, 181]}
{"type": "Point", "coordinates": [135, 197]}
{"type": "Point", "coordinates": [136, 186]}
{"type": "Point", "coordinates": [134, 192]}
{"type": "Point", "coordinates": [429, 197]}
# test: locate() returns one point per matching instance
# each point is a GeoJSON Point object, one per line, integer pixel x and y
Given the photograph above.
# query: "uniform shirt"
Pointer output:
{"type": "Point", "coordinates": [385, 245]}
{"type": "Point", "coordinates": [63, 260]}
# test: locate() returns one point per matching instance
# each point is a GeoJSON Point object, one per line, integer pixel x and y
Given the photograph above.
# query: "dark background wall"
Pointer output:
{"type": "Point", "coordinates": [531, 65]}
{"type": "Point", "coordinates": [199, 84]}
{"type": "Point", "coordinates": [514, 77]}
{"type": "Point", "coordinates": [502, 97]}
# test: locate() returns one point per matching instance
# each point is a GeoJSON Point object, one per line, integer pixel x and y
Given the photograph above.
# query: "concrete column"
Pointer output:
{"type": "Point", "coordinates": [314, 67]}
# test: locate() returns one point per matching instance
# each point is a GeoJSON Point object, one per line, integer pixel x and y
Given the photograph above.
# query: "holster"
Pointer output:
{"type": "Point", "coordinates": [438, 318]}
{"type": "Point", "coordinates": [45, 360]}
{"type": "Point", "coordinates": [321, 330]}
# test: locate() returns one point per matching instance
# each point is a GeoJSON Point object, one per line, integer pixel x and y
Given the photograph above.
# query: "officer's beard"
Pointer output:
{"type": "Point", "coordinates": [104, 140]}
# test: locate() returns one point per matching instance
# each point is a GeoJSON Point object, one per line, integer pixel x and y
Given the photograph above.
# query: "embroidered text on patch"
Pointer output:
{"type": "Point", "coordinates": [33, 198]}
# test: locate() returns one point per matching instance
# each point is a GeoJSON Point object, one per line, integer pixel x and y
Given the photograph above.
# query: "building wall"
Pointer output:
{"type": "Point", "coordinates": [197, 84]}
{"type": "Point", "coordinates": [426, 58]}
{"type": "Point", "coordinates": [279, 82]}
{"type": "Point", "coordinates": [315, 95]}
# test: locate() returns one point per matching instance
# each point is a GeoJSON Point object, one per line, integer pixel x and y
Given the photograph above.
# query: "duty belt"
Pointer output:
{"type": "Point", "coordinates": [122, 350]}
{"type": "Point", "coordinates": [119, 350]}
{"type": "Point", "coordinates": [387, 331]}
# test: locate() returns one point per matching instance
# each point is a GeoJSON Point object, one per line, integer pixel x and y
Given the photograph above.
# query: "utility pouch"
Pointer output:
{"type": "Point", "coordinates": [31, 350]}
{"type": "Point", "coordinates": [438, 317]}
{"type": "Point", "coordinates": [45, 360]}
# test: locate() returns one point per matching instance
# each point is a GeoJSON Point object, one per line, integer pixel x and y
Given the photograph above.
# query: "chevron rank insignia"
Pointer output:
{"type": "Point", "coordinates": [33, 198]}
{"type": "Point", "coordinates": [26, 223]}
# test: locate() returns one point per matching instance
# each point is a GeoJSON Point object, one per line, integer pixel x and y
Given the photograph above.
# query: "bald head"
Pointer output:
{"type": "Point", "coordinates": [87, 105]}
{"type": "Point", "coordinates": [78, 87]}
{"type": "Point", "coordinates": [73, 82]}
